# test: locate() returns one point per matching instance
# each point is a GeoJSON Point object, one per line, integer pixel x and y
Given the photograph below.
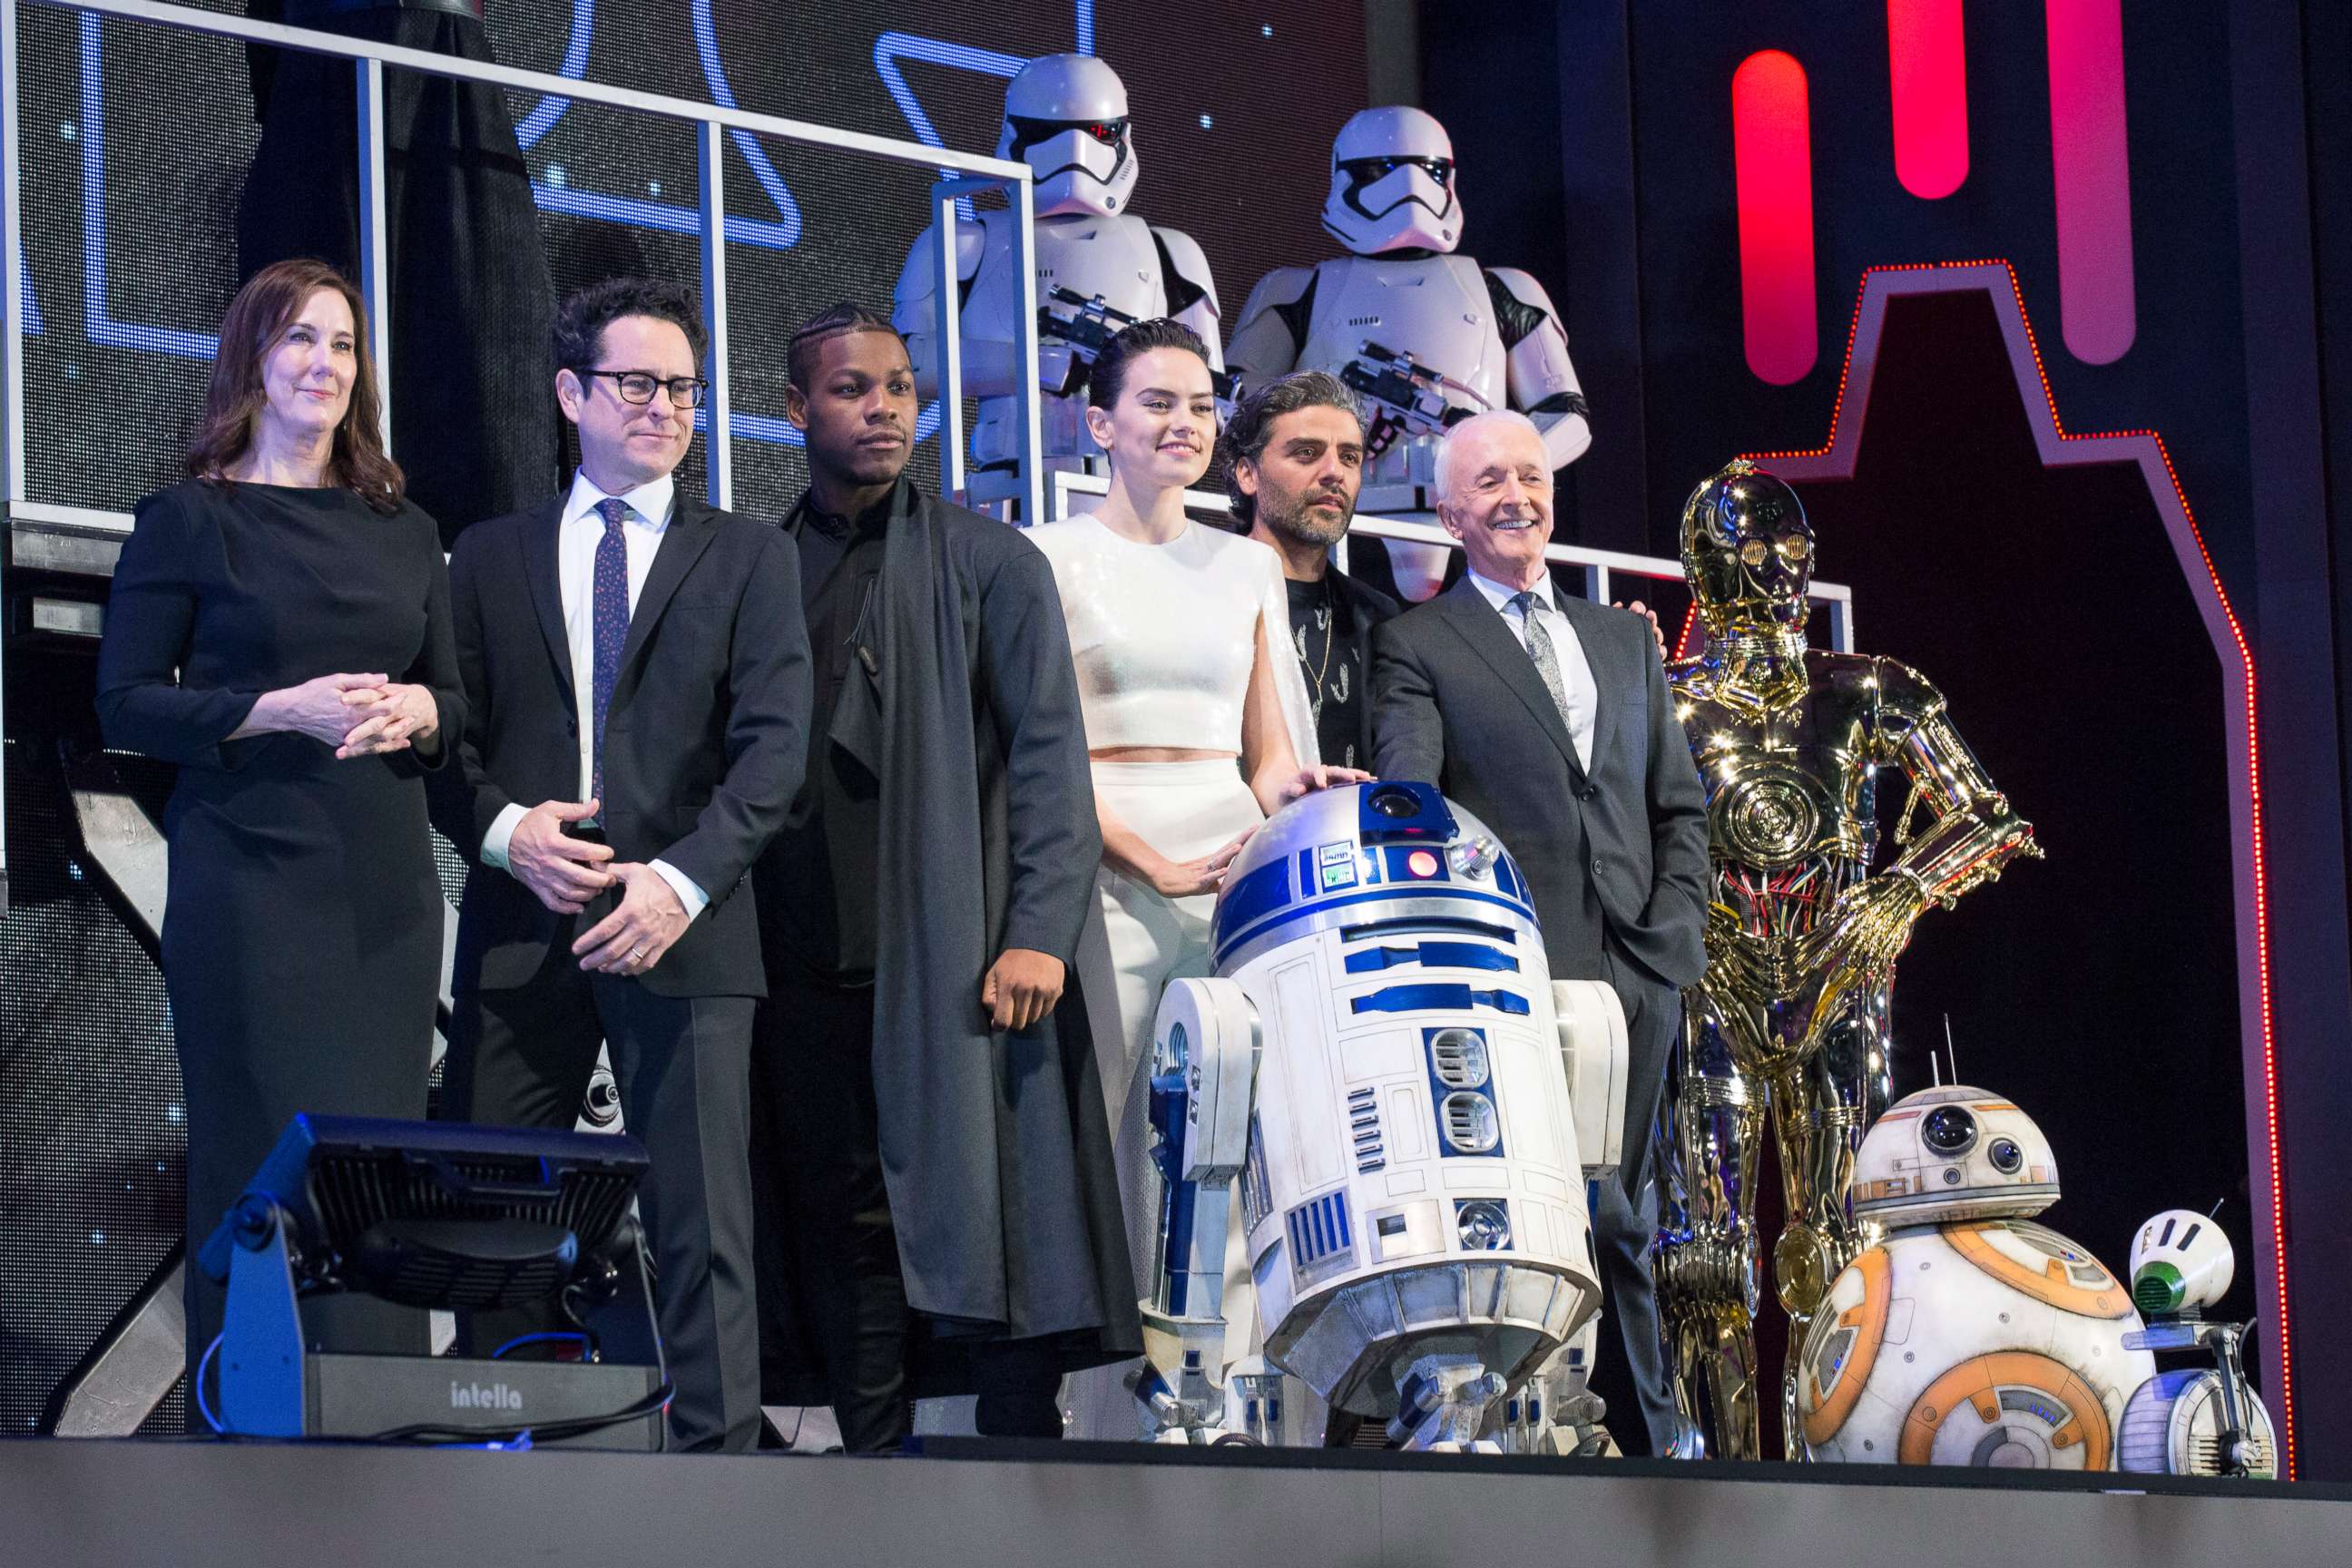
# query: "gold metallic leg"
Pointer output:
{"type": "Point", "coordinates": [1823, 1105]}
{"type": "Point", "coordinates": [1707, 1252]}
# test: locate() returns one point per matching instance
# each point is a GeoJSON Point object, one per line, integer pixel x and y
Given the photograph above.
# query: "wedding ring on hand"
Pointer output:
{"type": "Point", "coordinates": [636, 955]}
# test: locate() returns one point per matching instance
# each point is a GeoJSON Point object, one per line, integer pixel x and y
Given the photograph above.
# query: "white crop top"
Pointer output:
{"type": "Point", "coordinates": [1164, 635]}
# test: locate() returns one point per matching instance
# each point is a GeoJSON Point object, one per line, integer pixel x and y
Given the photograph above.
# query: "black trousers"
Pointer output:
{"type": "Point", "coordinates": [1626, 1222]}
{"type": "Point", "coordinates": [831, 1290]}
{"type": "Point", "coordinates": [522, 1057]}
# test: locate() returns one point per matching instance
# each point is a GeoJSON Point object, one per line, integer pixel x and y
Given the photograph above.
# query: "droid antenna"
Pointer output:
{"type": "Point", "coordinates": [1934, 1069]}
{"type": "Point", "coordinates": [2217, 1206]}
{"type": "Point", "coordinates": [1950, 1051]}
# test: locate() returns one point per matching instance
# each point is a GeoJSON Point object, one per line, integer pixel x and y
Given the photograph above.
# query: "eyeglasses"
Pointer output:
{"type": "Point", "coordinates": [637, 387]}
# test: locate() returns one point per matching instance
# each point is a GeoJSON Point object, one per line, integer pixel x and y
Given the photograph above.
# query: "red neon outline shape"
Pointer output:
{"type": "Point", "coordinates": [2059, 447]}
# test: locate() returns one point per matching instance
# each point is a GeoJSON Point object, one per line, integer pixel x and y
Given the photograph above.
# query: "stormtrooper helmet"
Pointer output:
{"type": "Point", "coordinates": [1392, 184]}
{"type": "Point", "coordinates": [1065, 117]}
{"type": "Point", "coordinates": [1953, 1153]}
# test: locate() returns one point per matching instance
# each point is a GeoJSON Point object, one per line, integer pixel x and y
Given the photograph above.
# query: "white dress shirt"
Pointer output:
{"type": "Point", "coordinates": [1575, 669]}
{"type": "Point", "coordinates": [650, 506]}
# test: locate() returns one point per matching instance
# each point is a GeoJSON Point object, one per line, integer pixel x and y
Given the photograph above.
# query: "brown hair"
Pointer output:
{"type": "Point", "coordinates": [1109, 378]}
{"type": "Point", "coordinates": [256, 318]}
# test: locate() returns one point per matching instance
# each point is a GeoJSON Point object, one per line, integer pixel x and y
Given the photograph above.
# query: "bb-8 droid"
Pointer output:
{"type": "Point", "coordinates": [1969, 1335]}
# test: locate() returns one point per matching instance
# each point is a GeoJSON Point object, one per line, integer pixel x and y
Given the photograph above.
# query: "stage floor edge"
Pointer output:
{"type": "Point", "coordinates": [197, 1504]}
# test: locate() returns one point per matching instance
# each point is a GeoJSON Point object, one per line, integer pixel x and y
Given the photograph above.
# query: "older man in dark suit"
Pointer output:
{"type": "Point", "coordinates": [638, 669]}
{"type": "Point", "coordinates": [1548, 717]}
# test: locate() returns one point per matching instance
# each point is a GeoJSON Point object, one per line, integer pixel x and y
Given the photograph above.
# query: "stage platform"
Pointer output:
{"type": "Point", "coordinates": [197, 1504]}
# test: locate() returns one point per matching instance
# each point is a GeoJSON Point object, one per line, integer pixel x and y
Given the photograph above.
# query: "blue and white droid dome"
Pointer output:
{"type": "Point", "coordinates": [1323, 859]}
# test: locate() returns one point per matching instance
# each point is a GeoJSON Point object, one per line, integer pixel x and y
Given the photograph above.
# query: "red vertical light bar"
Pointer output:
{"type": "Point", "coordinates": [1927, 65]}
{"type": "Point", "coordinates": [2090, 161]}
{"type": "Point", "coordinates": [1772, 160]}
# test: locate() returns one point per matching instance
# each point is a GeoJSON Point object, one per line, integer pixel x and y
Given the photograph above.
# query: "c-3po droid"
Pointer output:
{"type": "Point", "coordinates": [1791, 1016]}
{"type": "Point", "coordinates": [1413, 1108]}
{"type": "Point", "coordinates": [1969, 1335]}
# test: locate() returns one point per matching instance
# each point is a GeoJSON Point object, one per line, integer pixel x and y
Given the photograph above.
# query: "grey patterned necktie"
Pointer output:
{"type": "Point", "coordinates": [1539, 648]}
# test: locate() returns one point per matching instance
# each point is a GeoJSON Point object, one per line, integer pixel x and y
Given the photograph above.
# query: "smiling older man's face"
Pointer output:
{"type": "Point", "coordinates": [1498, 498]}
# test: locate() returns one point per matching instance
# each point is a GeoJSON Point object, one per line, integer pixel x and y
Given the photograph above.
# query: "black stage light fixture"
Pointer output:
{"type": "Point", "coordinates": [435, 1214]}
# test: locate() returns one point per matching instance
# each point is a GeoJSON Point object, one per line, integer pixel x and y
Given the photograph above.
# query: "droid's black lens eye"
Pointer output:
{"type": "Point", "coordinates": [1396, 803]}
{"type": "Point", "coordinates": [1949, 1131]}
{"type": "Point", "coordinates": [2007, 1157]}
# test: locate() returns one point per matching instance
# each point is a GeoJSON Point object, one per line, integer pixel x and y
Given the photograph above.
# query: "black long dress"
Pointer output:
{"type": "Point", "coordinates": [302, 931]}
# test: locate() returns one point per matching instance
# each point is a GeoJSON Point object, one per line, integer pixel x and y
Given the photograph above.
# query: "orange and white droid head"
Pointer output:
{"type": "Point", "coordinates": [1952, 1153]}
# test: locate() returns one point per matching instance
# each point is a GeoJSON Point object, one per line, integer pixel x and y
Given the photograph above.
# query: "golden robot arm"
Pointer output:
{"type": "Point", "coordinates": [1974, 833]}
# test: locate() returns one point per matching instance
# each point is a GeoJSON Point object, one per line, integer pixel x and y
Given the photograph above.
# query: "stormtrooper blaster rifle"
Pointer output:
{"type": "Point", "coordinates": [1091, 331]}
{"type": "Point", "coordinates": [1408, 397]}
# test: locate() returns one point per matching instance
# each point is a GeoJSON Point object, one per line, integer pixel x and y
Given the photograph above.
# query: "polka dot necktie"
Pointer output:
{"type": "Point", "coordinates": [611, 600]}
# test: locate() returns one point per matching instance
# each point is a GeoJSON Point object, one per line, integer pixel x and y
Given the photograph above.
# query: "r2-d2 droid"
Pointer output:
{"type": "Point", "coordinates": [1413, 1108]}
{"type": "Point", "coordinates": [1968, 1336]}
{"type": "Point", "coordinates": [1425, 337]}
{"type": "Point", "coordinates": [1098, 268]}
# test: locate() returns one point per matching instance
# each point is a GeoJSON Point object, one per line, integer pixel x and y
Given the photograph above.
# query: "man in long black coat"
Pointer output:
{"type": "Point", "coordinates": [939, 1210]}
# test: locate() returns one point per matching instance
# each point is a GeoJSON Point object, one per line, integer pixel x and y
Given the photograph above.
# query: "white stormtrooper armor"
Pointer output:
{"type": "Point", "coordinates": [1426, 336]}
{"type": "Point", "coordinates": [1411, 1108]}
{"type": "Point", "coordinates": [1066, 116]}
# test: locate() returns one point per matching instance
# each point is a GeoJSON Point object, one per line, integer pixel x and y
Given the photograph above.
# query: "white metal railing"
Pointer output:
{"type": "Point", "coordinates": [1600, 567]}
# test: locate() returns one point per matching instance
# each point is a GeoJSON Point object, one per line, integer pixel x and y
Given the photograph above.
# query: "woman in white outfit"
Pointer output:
{"type": "Point", "coordinates": [1198, 732]}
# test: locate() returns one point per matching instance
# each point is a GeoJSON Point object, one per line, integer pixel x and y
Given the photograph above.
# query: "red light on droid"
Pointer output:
{"type": "Point", "coordinates": [1421, 863]}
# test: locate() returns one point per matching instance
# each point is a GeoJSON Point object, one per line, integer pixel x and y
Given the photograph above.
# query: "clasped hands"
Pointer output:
{"type": "Point", "coordinates": [358, 715]}
{"type": "Point", "coordinates": [564, 872]}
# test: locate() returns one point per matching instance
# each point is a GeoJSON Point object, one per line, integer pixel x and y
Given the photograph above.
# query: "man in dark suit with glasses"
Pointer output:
{"type": "Point", "coordinates": [639, 669]}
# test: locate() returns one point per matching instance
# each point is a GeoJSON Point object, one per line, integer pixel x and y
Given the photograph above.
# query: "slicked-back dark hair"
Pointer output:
{"type": "Point", "coordinates": [1245, 436]}
{"type": "Point", "coordinates": [581, 319]}
{"type": "Point", "coordinates": [1109, 378]}
{"type": "Point", "coordinates": [848, 316]}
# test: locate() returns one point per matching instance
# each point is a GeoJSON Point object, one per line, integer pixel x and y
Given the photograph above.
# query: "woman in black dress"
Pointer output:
{"type": "Point", "coordinates": [279, 627]}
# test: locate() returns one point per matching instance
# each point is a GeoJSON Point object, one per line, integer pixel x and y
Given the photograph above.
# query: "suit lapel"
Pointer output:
{"type": "Point", "coordinates": [542, 571]}
{"type": "Point", "coordinates": [1588, 621]}
{"type": "Point", "coordinates": [1478, 623]}
{"type": "Point", "coordinates": [682, 545]}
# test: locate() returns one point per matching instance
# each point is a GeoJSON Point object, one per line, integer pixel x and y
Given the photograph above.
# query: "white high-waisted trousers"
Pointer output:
{"type": "Point", "coordinates": [1137, 942]}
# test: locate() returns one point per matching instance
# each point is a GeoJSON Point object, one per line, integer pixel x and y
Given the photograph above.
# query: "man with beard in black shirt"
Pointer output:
{"type": "Point", "coordinates": [1293, 458]}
